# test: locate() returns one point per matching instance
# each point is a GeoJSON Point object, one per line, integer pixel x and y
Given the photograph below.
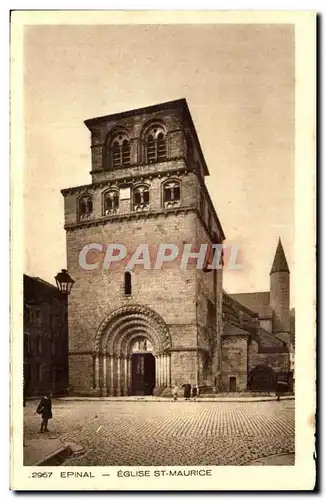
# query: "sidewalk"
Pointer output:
{"type": "Point", "coordinates": [45, 451]}
{"type": "Point", "coordinates": [151, 399]}
{"type": "Point", "coordinates": [281, 459]}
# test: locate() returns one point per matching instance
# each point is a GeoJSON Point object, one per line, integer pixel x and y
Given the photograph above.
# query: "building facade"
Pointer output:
{"type": "Point", "coordinates": [45, 339]}
{"type": "Point", "coordinates": [264, 348]}
{"type": "Point", "coordinates": [139, 330]}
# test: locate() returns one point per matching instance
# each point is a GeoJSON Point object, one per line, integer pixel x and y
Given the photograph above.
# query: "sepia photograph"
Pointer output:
{"type": "Point", "coordinates": [159, 278]}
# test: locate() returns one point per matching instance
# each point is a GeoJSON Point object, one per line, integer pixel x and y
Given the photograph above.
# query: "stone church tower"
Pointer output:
{"type": "Point", "coordinates": [140, 330]}
{"type": "Point", "coordinates": [280, 294]}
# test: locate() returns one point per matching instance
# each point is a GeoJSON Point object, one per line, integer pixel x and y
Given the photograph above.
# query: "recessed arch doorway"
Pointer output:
{"type": "Point", "coordinates": [132, 353]}
{"type": "Point", "coordinates": [262, 378]}
{"type": "Point", "coordinates": [143, 367]}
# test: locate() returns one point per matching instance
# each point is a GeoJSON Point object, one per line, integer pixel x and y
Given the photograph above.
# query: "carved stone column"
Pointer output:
{"type": "Point", "coordinates": [129, 379]}
{"type": "Point", "coordinates": [112, 377]}
{"type": "Point", "coordinates": [157, 371]}
{"type": "Point", "coordinates": [164, 370]}
{"type": "Point", "coordinates": [169, 369]}
{"type": "Point", "coordinates": [125, 378]}
{"type": "Point", "coordinates": [108, 373]}
{"type": "Point", "coordinates": [104, 386]}
{"type": "Point", "coordinates": [97, 371]}
{"type": "Point", "coordinates": [161, 370]}
{"type": "Point", "coordinates": [118, 375]}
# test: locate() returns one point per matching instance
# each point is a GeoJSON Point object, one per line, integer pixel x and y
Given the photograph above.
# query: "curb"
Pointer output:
{"type": "Point", "coordinates": [267, 457]}
{"type": "Point", "coordinates": [56, 457]}
{"type": "Point", "coordinates": [169, 400]}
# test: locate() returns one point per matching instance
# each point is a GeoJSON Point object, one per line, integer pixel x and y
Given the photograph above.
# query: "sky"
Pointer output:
{"type": "Point", "coordinates": [239, 84]}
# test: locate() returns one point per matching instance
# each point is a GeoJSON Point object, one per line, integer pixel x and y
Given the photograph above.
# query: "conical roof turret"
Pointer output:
{"type": "Point", "coordinates": [280, 264]}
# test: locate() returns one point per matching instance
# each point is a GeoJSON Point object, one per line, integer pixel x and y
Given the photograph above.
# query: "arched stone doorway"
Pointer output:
{"type": "Point", "coordinates": [262, 378]}
{"type": "Point", "coordinates": [132, 353]}
{"type": "Point", "coordinates": [143, 368]}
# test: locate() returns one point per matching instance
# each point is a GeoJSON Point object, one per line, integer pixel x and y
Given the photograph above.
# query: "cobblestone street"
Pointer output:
{"type": "Point", "coordinates": [170, 433]}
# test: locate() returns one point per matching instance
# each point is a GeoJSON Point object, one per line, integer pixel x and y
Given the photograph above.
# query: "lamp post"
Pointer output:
{"type": "Point", "coordinates": [64, 284]}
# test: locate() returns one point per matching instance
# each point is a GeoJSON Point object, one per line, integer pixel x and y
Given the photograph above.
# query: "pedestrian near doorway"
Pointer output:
{"type": "Point", "coordinates": [187, 391]}
{"type": "Point", "coordinates": [195, 392]}
{"type": "Point", "coordinates": [175, 392]}
{"type": "Point", "coordinates": [45, 410]}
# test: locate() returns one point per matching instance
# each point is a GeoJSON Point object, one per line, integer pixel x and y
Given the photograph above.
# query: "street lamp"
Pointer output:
{"type": "Point", "coordinates": [64, 282]}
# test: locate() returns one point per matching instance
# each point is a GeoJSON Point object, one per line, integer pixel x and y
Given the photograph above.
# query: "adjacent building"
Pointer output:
{"type": "Point", "coordinates": [256, 344]}
{"type": "Point", "coordinates": [45, 338]}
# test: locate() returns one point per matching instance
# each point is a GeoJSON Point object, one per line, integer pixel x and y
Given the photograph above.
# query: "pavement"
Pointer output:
{"type": "Point", "coordinates": [111, 432]}
{"type": "Point", "coordinates": [282, 459]}
{"type": "Point", "coordinates": [158, 399]}
{"type": "Point", "coordinates": [45, 451]}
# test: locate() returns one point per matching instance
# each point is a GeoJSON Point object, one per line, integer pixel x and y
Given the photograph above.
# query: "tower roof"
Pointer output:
{"type": "Point", "coordinates": [280, 264]}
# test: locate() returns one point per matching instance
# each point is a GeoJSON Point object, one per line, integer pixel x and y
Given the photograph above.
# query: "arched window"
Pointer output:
{"type": "Point", "coordinates": [120, 151]}
{"type": "Point", "coordinates": [171, 194]}
{"type": "Point", "coordinates": [141, 198]}
{"type": "Point", "coordinates": [161, 146]}
{"type": "Point", "coordinates": [127, 278]}
{"type": "Point", "coordinates": [116, 154]}
{"type": "Point", "coordinates": [155, 145]}
{"type": "Point", "coordinates": [125, 152]}
{"type": "Point", "coordinates": [111, 202]}
{"type": "Point", "coordinates": [85, 207]}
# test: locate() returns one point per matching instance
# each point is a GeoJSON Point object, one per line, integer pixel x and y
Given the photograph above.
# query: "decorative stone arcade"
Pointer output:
{"type": "Point", "coordinates": [123, 345]}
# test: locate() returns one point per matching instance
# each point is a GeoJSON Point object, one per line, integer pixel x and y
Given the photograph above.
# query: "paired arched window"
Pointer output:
{"type": "Point", "coordinates": [85, 207]}
{"type": "Point", "coordinates": [111, 202]}
{"type": "Point", "coordinates": [155, 144]}
{"type": "Point", "coordinates": [171, 193]}
{"type": "Point", "coordinates": [120, 151]}
{"type": "Point", "coordinates": [141, 198]}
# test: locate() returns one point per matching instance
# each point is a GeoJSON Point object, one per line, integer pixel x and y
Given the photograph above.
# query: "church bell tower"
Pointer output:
{"type": "Point", "coordinates": [280, 294]}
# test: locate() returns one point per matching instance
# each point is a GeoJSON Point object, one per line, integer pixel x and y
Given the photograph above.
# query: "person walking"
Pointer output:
{"type": "Point", "coordinates": [195, 392]}
{"type": "Point", "coordinates": [187, 391]}
{"type": "Point", "coordinates": [45, 410]}
{"type": "Point", "coordinates": [175, 392]}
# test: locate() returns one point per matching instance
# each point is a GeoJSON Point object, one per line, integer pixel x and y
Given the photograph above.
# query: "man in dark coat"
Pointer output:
{"type": "Point", "coordinates": [195, 392]}
{"type": "Point", "coordinates": [187, 390]}
{"type": "Point", "coordinates": [45, 409]}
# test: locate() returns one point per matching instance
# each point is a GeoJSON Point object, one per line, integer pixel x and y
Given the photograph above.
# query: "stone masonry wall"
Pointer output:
{"type": "Point", "coordinates": [234, 362]}
{"type": "Point", "coordinates": [171, 291]}
{"type": "Point", "coordinates": [280, 301]}
{"type": "Point", "coordinates": [209, 289]}
{"type": "Point", "coordinates": [279, 361]}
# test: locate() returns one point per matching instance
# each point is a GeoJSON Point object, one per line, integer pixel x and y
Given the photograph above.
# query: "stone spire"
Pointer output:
{"type": "Point", "coordinates": [280, 264]}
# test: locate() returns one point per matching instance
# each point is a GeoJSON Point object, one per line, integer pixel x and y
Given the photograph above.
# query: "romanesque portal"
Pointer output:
{"type": "Point", "coordinates": [132, 353]}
